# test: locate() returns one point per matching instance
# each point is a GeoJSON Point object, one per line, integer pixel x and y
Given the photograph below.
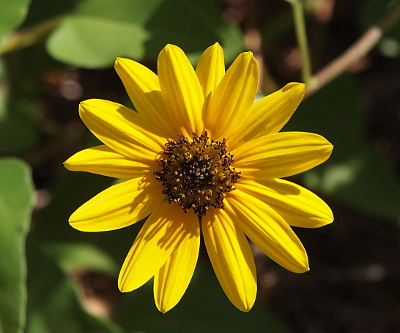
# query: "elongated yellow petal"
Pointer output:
{"type": "Point", "coordinates": [172, 280]}
{"type": "Point", "coordinates": [210, 70]}
{"type": "Point", "coordinates": [297, 205]}
{"type": "Point", "coordinates": [267, 230]}
{"type": "Point", "coordinates": [105, 161]}
{"type": "Point", "coordinates": [120, 128]}
{"type": "Point", "coordinates": [118, 206]}
{"type": "Point", "coordinates": [144, 91]}
{"type": "Point", "coordinates": [160, 235]}
{"type": "Point", "coordinates": [233, 98]}
{"type": "Point", "coordinates": [269, 114]}
{"type": "Point", "coordinates": [281, 155]}
{"type": "Point", "coordinates": [231, 258]}
{"type": "Point", "coordinates": [181, 90]}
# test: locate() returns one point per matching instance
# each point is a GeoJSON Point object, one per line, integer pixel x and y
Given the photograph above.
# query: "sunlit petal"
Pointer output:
{"type": "Point", "coordinates": [210, 70]}
{"type": "Point", "coordinates": [118, 206]}
{"type": "Point", "coordinates": [119, 128]}
{"type": "Point", "coordinates": [268, 230]}
{"type": "Point", "coordinates": [160, 235]}
{"type": "Point", "coordinates": [231, 258]}
{"type": "Point", "coordinates": [105, 161]}
{"type": "Point", "coordinates": [233, 98]}
{"type": "Point", "coordinates": [145, 93]}
{"type": "Point", "coordinates": [172, 280]}
{"type": "Point", "coordinates": [269, 114]}
{"type": "Point", "coordinates": [281, 155]}
{"type": "Point", "coordinates": [298, 206]}
{"type": "Point", "coordinates": [181, 90]}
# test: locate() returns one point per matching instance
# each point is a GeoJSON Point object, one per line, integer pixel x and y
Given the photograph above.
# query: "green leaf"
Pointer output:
{"type": "Point", "coordinates": [16, 202]}
{"type": "Point", "coordinates": [12, 14]}
{"type": "Point", "coordinates": [73, 257]}
{"type": "Point", "coordinates": [53, 304]}
{"type": "Point", "coordinates": [101, 30]}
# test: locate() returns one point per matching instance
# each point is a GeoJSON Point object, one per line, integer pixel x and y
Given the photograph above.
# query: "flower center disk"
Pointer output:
{"type": "Point", "coordinates": [197, 174]}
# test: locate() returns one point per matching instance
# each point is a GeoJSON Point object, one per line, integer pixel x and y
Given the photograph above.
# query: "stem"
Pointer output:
{"type": "Point", "coordinates": [359, 49]}
{"type": "Point", "coordinates": [27, 37]}
{"type": "Point", "coordinates": [301, 35]}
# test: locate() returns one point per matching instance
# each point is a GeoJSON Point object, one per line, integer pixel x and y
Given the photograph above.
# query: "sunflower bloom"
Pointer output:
{"type": "Point", "coordinates": [200, 158]}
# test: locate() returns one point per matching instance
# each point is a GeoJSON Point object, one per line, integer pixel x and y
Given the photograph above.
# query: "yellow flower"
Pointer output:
{"type": "Point", "coordinates": [200, 157]}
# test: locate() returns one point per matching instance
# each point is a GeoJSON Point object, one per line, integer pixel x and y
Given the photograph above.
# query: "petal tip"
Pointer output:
{"type": "Point", "coordinates": [293, 85]}
{"type": "Point", "coordinates": [67, 165]}
{"type": "Point", "coordinates": [303, 267]}
{"type": "Point", "coordinates": [171, 48]}
{"type": "Point", "coordinates": [117, 62]}
{"type": "Point", "coordinates": [163, 308]}
{"type": "Point", "coordinates": [122, 284]}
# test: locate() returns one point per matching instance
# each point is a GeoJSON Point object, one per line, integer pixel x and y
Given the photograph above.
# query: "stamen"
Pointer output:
{"type": "Point", "coordinates": [197, 174]}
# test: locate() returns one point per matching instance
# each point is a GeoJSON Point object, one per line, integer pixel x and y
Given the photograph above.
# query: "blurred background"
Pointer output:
{"type": "Point", "coordinates": [55, 54]}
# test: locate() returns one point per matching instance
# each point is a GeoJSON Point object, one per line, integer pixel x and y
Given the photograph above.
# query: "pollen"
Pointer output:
{"type": "Point", "coordinates": [196, 173]}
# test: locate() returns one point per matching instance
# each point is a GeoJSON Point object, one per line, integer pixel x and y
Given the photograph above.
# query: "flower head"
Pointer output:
{"type": "Point", "coordinates": [200, 157]}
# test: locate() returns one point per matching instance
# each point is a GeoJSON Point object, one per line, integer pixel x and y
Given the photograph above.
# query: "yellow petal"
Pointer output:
{"type": "Point", "coordinates": [120, 128]}
{"type": "Point", "coordinates": [267, 230]}
{"type": "Point", "coordinates": [105, 161]}
{"type": "Point", "coordinates": [231, 258]}
{"type": "Point", "coordinates": [181, 90]}
{"type": "Point", "coordinates": [160, 235]}
{"type": "Point", "coordinates": [297, 205]}
{"type": "Point", "coordinates": [210, 70]}
{"type": "Point", "coordinates": [233, 98]}
{"type": "Point", "coordinates": [281, 155]}
{"type": "Point", "coordinates": [118, 206]}
{"type": "Point", "coordinates": [144, 91]}
{"type": "Point", "coordinates": [269, 114]}
{"type": "Point", "coordinates": [172, 280]}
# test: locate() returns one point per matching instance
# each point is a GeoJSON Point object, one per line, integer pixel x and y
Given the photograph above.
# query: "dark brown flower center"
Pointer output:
{"type": "Point", "coordinates": [197, 173]}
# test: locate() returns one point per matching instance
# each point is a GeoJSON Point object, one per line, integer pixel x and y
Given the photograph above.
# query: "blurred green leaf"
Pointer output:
{"type": "Point", "coordinates": [74, 257]}
{"type": "Point", "coordinates": [354, 174]}
{"type": "Point", "coordinates": [53, 304]}
{"type": "Point", "coordinates": [12, 14]}
{"type": "Point", "coordinates": [16, 202]}
{"type": "Point", "coordinates": [101, 30]}
{"type": "Point", "coordinates": [203, 308]}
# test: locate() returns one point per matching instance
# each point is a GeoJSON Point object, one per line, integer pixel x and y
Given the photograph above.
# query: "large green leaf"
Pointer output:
{"type": "Point", "coordinates": [16, 201]}
{"type": "Point", "coordinates": [73, 256]}
{"type": "Point", "coordinates": [101, 30]}
{"type": "Point", "coordinates": [11, 15]}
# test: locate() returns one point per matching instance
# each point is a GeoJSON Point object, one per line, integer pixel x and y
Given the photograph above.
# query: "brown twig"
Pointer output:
{"type": "Point", "coordinates": [359, 49]}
